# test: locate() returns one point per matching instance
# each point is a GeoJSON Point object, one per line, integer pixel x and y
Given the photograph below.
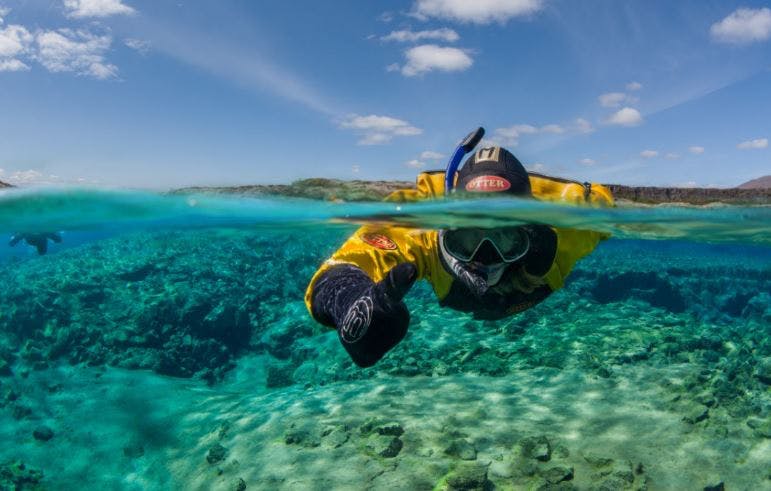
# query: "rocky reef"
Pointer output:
{"type": "Point", "coordinates": [5, 185]}
{"type": "Point", "coordinates": [694, 196]}
{"type": "Point", "coordinates": [681, 334]}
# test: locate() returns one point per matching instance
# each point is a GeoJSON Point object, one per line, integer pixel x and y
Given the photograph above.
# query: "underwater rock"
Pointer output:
{"type": "Point", "coordinates": [279, 375]}
{"type": "Point", "coordinates": [763, 370]}
{"type": "Point", "coordinates": [715, 487]}
{"type": "Point", "coordinates": [279, 339]}
{"type": "Point", "coordinates": [462, 449]}
{"type": "Point", "coordinates": [596, 460]}
{"type": "Point", "coordinates": [21, 411]}
{"type": "Point", "coordinates": [535, 447]}
{"type": "Point", "coordinates": [761, 427]}
{"type": "Point", "coordinates": [383, 445]}
{"type": "Point", "coordinates": [381, 427]}
{"type": "Point", "coordinates": [696, 414]}
{"type": "Point", "coordinates": [239, 485]}
{"type": "Point", "coordinates": [216, 454]}
{"type": "Point", "coordinates": [43, 433]}
{"type": "Point", "coordinates": [467, 476]}
{"type": "Point", "coordinates": [17, 476]}
{"type": "Point", "coordinates": [557, 474]}
{"type": "Point", "coordinates": [5, 368]}
{"type": "Point", "coordinates": [335, 436]}
{"type": "Point", "coordinates": [133, 450]}
{"type": "Point", "coordinates": [307, 436]}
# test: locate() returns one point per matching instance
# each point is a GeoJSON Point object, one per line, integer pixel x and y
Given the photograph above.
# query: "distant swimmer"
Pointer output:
{"type": "Point", "coordinates": [492, 273]}
{"type": "Point", "coordinates": [38, 240]}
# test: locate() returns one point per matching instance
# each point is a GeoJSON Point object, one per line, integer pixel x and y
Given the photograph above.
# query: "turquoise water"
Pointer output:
{"type": "Point", "coordinates": [164, 344]}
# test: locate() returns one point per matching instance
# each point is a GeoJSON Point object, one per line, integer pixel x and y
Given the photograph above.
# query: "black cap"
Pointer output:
{"type": "Point", "coordinates": [493, 170]}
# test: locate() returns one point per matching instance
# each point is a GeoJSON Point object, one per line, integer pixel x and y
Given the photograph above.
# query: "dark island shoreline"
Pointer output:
{"type": "Point", "coordinates": [368, 191]}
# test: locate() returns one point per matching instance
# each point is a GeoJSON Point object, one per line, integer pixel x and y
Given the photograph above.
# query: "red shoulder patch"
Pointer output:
{"type": "Point", "coordinates": [379, 240]}
{"type": "Point", "coordinates": [487, 184]}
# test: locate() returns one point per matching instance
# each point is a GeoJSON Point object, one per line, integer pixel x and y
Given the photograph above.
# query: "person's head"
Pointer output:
{"type": "Point", "coordinates": [477, 256]}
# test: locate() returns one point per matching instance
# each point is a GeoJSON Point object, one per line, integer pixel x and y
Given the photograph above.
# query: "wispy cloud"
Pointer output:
{"type": "Point", "coordinates": [79, 51]}
{"type": "Point", "coordinates": [587, 161]}
{"type": "Point", "coordinates": [743, 26]}
{"type": "Point", "coordinates": [649, 154]}
{"type": "Point", "coordinates": [633, 86]}
{"type": "Point", "coordinates": [139, 45]}
{"type": "Point", "coordinates": [96, 8]}
{"type": "Point", "coordinates": [696, 150]}
{"type": "Point", "coordinates": [376, 130]}
{"type": "Point", "coordinates": [753, 144]}
{"type": "Point", "coordinates": [408, 36]}
{"type": "Point", "coordinates": [626, 117]}
{"type": "Point", "coordinates": [235, 62]}
{"type": "Point", "coordinates": [477, 11]}
{"type": "Point", "coordinates": [431, 155]}
{"type": "Point", "coordinates": [15, 42]}
{"type": "Point", "coordinates": [583, 126]}
{"type": "Point", "coordinates": [615, 99]}
{"type": "Point", "coordinates": [415, 164]}
{"type": "Point", "coordinates": [429, 57]}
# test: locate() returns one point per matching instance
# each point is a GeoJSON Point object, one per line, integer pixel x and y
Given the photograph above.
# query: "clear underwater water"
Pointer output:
{"type": "Point", "coordinates": [164, 344]}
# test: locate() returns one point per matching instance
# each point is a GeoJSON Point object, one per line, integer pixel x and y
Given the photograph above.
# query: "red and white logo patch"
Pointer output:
{"type": "Point", "coordinates": [488, 184]}
{"type": "Point", "coordinates": [379, 240]}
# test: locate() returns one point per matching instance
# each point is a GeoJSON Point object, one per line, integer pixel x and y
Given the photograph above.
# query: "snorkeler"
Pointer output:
{"type": "Point", "coordinates": [38, 240]}
{"type": "Point", "coordinates": [491, 273]}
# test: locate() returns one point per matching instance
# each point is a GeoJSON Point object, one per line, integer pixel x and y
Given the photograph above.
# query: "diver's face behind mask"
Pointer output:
{"type": "Point", "coordinates": [478, 257]}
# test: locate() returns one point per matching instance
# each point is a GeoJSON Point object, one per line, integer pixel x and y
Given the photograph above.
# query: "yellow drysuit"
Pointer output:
{"type": "Point", "coordinates": [377, 248]}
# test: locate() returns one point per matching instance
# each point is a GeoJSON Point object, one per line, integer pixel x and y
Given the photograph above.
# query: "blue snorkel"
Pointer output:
{"type": "Point", "coordinates": [465, 146]}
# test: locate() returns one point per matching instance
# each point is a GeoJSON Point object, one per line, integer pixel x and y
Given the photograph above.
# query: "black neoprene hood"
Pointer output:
{"type": "Point", "coordinates": [493, 170]}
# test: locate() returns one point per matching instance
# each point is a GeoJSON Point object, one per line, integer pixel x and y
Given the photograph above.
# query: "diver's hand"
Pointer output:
{"type": "Point", "coordinates": [378, 319]}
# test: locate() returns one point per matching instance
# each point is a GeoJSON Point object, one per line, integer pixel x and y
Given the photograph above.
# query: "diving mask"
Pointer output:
{"type": "Point", "coordinates": [510, 243]}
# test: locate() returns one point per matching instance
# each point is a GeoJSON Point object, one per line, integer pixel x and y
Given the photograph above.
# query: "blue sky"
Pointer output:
{"type": "Point", "coordinates": [151, 93]}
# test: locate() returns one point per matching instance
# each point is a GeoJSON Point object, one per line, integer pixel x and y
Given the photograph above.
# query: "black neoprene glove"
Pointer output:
{"type": "Point", "coordinates": [370, 317]}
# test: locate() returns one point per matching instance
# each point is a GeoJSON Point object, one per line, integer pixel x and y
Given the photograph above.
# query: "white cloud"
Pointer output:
{"type": "Point", "coordinates": [672, 156]}
{"type": "Point", "coordinates": [476, 11]}
{"type": "Point", "coordinates": [79, 51]}
{"type": "Point", "coordinates": [649, 154]}
{"type": "Point", "coordinates": [583, 126]}
{"type": "Point", "coordinates": [15, 41]}
{"type": "Point", "coordinates": [689, 184]}
{"type": "Point", "coordinates": [633, 86]}
{"type": "Point", "coordinates": [3, 12]}
{"type": "Point", "coordinates": [743, 26]}
{"type": "Point", "coordinates": [376, 130]}
{"type": "Point", "coordinates": [626, 117]}
{"type": "Point", "coordinates": [552, 128]}
{"type": "Point", "coordinates": [143, 47]}
{"type": "Point", "coordinates": [538, 167]}
{"type": "Point", "coordinates": [430, 155]}
{"type": "Point", "coordinates": [407, 36]}
{"type": "Point", "coordinates": [355, 168]}
{"type": "Point", "coordinates": [12, 65]}
{"type": "Point", "coordinates": [393, 67]}
{"type": "Point", "coordinates": [385, 17]}
{"type": "Point", "coordinates": [757, 144]}
{"type": "Point", "coordinates": [414, 163]}
{"type": "Point", "coordinates": [96, 8]}
{"type": "Point", "coordinates": [428, 57]}
{"type": "Point", "coordinates": [588, 161]}
{"type": "Point", "coordinates": [615, 99]}
{"type": "Point", "coordinates": [696, 150]}
{"type": "Point", "coordinates": [26, 177]}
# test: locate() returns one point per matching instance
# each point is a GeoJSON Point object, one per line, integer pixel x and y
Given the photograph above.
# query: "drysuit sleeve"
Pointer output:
{"type": "Point", "coordinates": [375, 250]}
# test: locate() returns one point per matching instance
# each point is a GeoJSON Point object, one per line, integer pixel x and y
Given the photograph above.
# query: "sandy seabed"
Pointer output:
{"type": "Point", "coordinates": [534, 429]}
